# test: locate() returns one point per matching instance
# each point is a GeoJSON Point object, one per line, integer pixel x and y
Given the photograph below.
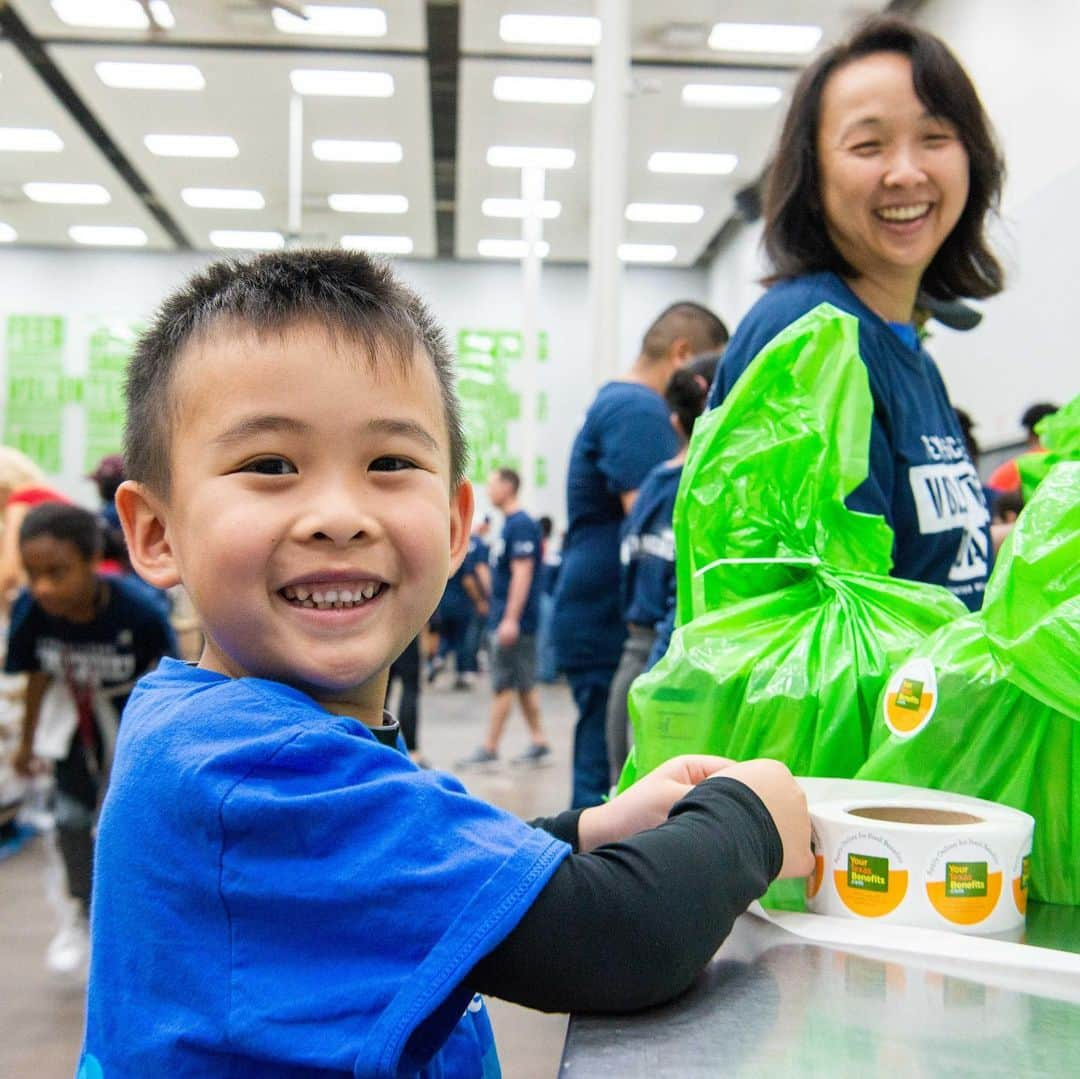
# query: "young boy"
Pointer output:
{"type": "Point", "coordinates": [281, 892]}
{"type": "Point", "coordinates": [83, 640]}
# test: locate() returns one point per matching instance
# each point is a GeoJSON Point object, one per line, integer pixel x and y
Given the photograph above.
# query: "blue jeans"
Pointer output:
{"type": "Point", "coordinates": [547, 666]}
{"type": "Point", "coordinates": [590, 687]}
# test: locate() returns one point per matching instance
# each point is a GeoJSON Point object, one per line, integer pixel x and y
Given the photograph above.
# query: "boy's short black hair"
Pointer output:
{"type": "Point", "coordinates": [347, 292]}
{"type": "Point", "coordinates": [703, 328]}
{"type": "Point", "coordinates": [62, 521]}
{"type": "Point", "coordinates": [1034, 413]}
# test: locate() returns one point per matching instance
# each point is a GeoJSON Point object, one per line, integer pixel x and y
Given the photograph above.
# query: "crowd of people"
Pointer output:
{"type": "Point", "coordinates": [328, 899]}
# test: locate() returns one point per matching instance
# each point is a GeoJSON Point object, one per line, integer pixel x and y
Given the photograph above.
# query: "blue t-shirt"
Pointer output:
{"type": "Point", "coordinates": [625, 435]}
{"type": "Point", "coordinates": [921, 479]}
{"type": "Point", "coordinates": [278, 894]}
{"type": "Point", "coordinates": [520, 538]}
{"type": "Point", "coordinates": [107, 654]}
{"type": "Point", "coordinates": [455, 602]}
{"type": "Point", "coordinates": [648, 548]}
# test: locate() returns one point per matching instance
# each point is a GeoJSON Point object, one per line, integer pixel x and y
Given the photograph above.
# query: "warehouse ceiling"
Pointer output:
{"type": "Point", "coordinates": [371, 125]}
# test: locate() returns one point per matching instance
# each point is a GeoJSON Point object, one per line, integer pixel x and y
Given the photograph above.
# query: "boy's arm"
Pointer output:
{"type": "Point", "coordinates": [637, 919]}
{"type": "Point", "coordinates": [36, 684]}
{"type": "Point", "coordinates": [475, 593]}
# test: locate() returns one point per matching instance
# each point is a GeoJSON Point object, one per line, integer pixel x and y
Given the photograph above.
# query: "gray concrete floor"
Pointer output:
{"type": "Point", "coordinates": [41, 1016]}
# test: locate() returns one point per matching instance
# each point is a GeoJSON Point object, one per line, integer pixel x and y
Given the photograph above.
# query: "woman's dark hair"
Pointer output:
{"type": "Point", "coordinates": [62, 521]}
{"type": "Point", "coordinates": [685, 395]}
{"type": "Point", "coordinates": [796, 237]}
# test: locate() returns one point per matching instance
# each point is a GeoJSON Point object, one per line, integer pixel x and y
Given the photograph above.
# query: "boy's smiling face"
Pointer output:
{"type": "Point", "coordinates": [310, 517]}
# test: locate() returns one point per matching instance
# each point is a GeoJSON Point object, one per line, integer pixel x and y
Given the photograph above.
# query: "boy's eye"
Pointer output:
{"type": "Point", "coordinates": [270, 466]}
{"type": "Point", "coordinates": [391, 464]}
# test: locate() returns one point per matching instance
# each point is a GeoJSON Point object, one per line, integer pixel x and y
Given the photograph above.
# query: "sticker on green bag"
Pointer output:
{"type": "Point", "coordinates": [910, 698]}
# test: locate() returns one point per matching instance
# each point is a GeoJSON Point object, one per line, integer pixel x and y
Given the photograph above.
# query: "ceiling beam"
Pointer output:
{"type": "Point", "coordinates": [443, 63]}
{"type": "Point", "coordinates": [35, 55]}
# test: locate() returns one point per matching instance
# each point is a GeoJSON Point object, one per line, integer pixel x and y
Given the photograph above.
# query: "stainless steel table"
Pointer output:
{"type": "Point", "coordinates": [770, 1004]}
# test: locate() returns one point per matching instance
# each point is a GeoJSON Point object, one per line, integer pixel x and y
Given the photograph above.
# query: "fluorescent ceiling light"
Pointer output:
{"type": "Point", "coordinates": [521, 157]}
{"type": "Point", "coordinates": [7, 234]}
{"type": "Point", "coordinates": [108, 235]}
{"type": "Point", "coordinates": [30, 139]}
{"type": "Point", "coordinates": [726, 96]}
{"type": "Point", "coordinates": [362, 150]}
{"type": "Point", "coordinates": [647, 252]}
{"type": "Point", "coordinates": [549, 30]}
{"type": "Point", "coordinates": [369, 204]}
{"type": "Point", "coordinates": [543, 91]}
{"type": "Point", "coordinates": [113, 14]}
{"type": "Point", "coordinates": [669, 213]}
{"type": "Point", "coordinates": [192, 145]}
{"type": "Point", "coordinates": [223, 198]}
{"type": "Point", "coordinates": [72, 194]}
{"type": "Point", "coordinates": [549, 208]}
{"type": "Point", "coordinates": [247, 240]}
{"type": "Point", "coordinates": [125, 76]}
{"type": "Point", "coordinates": [319, 83]}
{"type": "Point", "coordinates": [693, 163]}
{"type": "Point", "coordinates": [378, 245]}
{"type": "Point", "coordinates": [332, 21]}
{"type": "Point", "coordinates": [763, 37]}
{"type": "Point", "coordinates": [510, 249]}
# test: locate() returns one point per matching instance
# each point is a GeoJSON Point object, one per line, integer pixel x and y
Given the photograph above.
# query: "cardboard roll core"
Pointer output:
{"type": "Point", "coordinates": [914, 815]}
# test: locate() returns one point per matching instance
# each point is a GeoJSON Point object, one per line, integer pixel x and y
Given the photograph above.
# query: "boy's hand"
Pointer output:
{"type": "Point", "coordinates": [648, 802]}
{"type": "Point", "coordinates": [774, 784]}
{"type": "Point", "coordinates": [508, 632]}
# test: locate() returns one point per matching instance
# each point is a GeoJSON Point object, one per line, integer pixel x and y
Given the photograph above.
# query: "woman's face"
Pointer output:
{"type": "Point", "coordinates": [894, 178]}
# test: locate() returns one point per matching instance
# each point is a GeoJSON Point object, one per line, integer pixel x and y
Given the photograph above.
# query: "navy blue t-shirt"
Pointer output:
{"type": "Point", "coordinates": [648, 548]}
{"type": "Point", "coordinates": [625, 435]}
{"type": "Point", "coordinates": [921, 479]}
{"type": "Point", "coordinates": [455, 602]}
{"type": "Point", "coordinates": [520, 539]}
{"type": "Point", "coordinates": [107, 654]}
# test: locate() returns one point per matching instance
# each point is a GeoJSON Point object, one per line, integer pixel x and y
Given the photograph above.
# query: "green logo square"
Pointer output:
{"type": "Point", "coordinates": [963, 879]}
{"type": "Point", "coordinates": [909, 695]}
{"type": "Point", "coordinates": [868, 873]}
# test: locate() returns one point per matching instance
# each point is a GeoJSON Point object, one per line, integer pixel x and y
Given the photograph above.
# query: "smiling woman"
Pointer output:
{"type": "Point", "coordinates": [881, 185]}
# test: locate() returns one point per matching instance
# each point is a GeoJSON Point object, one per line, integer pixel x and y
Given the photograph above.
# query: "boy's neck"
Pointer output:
{"type": "Point", "coordinates": [364, 703]}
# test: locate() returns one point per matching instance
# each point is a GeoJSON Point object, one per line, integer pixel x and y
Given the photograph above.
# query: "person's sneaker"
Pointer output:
{"type": "Point", "coordinates": [535, 754]}
{"type": "Point", "coordinates": [479, 756]}
{"type": "Point", "coordinates": [463, 681]}
{"type": "Point", "coordinates": [434, 667]}
{"type": "Point", "coordinates": [69, 950]}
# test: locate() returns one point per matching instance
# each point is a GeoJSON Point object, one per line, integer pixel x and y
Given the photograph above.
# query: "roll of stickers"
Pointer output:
{"type": "Point", "coordinates": [924, 858]}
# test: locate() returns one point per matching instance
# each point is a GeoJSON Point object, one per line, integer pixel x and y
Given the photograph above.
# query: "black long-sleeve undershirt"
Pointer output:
{"type": "Point", "coordinates": [630, 924]}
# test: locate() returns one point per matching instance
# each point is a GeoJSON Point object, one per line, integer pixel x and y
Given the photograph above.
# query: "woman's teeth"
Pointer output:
{"type": "Point", "coordinates": [332, 598]}
{"type": "Point", "coordinates": [904, 213]}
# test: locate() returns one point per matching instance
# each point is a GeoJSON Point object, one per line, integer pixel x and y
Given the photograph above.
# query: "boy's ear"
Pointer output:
{"type": "Point", "coordinates": [462, 504]}
{"type": "Point", "coordinates": [142, 515]}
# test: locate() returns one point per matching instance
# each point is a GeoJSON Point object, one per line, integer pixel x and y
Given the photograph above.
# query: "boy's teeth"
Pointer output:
{"type": "Point", "coordinates": [331, 598]}
{"type": "Point", "coordinates": [345, 596]}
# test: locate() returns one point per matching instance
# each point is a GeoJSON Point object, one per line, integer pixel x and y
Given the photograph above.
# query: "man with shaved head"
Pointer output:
{"type": "Point", "coordinates": [626, 433]}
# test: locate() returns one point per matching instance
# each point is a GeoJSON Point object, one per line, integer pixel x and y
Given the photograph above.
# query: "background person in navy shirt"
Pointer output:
{"type": "Point", "coordinates": [648, 553]}
{"type": "Point", "coordinates": [513, 621]}
{"type": "Point", "coordinates": [625, 435]}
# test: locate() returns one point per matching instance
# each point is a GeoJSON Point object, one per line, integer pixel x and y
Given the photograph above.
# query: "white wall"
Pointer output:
{"type": "Point", "coordinates": [1022, 58]}
{"type": "Point", "coordinates": [735, 273]}
{"type": "Point", "coordinates": [462, 295]}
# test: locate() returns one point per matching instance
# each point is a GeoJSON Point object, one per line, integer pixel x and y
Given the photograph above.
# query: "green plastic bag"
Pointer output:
{"type": "Point", "coordinates": [788, 622]}
{"type": "Point", "coordinates": [1060, 434]}
{"type": "Point", "coordinates": [1006, 722]}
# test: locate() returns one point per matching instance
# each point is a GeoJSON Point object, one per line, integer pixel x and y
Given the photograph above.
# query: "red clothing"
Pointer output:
{"type": "Point", "coordinates": [34, 496]}
{"type": "Point", "coordinates": [1005, 479]}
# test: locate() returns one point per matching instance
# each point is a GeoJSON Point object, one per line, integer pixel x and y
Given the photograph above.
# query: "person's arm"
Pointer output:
{"type": "Point", "coordinates": [636, 919]}
{"type": "Point", "coordinates": [11, 571]}
{"type": "Point", "coordinates": [36, 684]}
{"type": "Point", "coordinates": [521, 575]}
{"type": "Point", "coordinates": [628, 498]}
{"type": "Point", "coordinates": [475, 593]}
{"type": "Point", "coordinates": [483, 576]}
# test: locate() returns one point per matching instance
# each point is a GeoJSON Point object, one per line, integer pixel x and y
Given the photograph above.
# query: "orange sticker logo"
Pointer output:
{"type": "Point", "coordinates": [868, 886]}
{"type": "Point", "coordinates": [910, 698]}
{"type": "Point", "coordinates": [964, 882]}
